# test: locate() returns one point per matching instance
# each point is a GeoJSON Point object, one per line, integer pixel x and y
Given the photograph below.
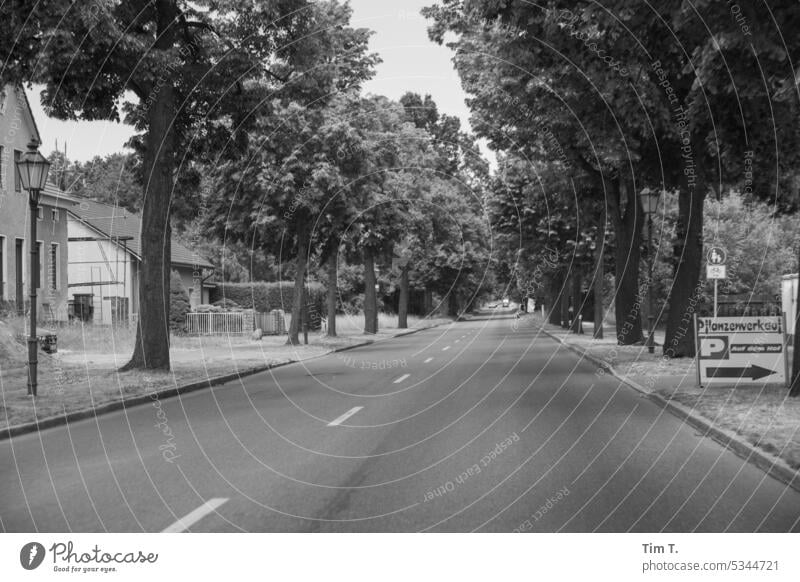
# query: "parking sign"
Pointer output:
{"type": "Point", "coordinates": [741, 350]}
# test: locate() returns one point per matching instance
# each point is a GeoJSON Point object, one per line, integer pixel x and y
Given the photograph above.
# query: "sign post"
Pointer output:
{"type": "Point", "coordinates": [735, 350]}
{"type": "Point", "coordinates": [716, 270]}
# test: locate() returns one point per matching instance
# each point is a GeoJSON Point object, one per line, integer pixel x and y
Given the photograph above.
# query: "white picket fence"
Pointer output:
{"type": "Point", "coordinates": [216, 323]}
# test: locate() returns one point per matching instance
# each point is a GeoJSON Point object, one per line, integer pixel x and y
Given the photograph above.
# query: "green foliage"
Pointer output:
{"type": "Point", "coordinates": [760, 245]}
{"type": "Point", "coordinates": [264, 297]}
{"type": "Point", "coordinates": [179, 304]}
{"type": "Point", "coordinates": [113, 179]}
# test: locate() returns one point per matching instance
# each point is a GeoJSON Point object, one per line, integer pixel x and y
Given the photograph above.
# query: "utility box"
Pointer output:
{"type": "Point", "coordinates": [48, 341]}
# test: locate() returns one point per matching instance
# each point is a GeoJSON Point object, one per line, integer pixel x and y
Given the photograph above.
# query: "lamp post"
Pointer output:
{"type": "Point", "coordinates": [33, 168]}
{"type": "Point", "coordinates": [650, 200]}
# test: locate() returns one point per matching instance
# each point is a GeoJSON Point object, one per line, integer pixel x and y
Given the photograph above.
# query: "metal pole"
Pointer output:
{"type": "Point", "coordinates": [715, 298]}
{"type": "Point", "coordinates": [33, 342]}
{"type": "Point", "coordinates": [651, 345]}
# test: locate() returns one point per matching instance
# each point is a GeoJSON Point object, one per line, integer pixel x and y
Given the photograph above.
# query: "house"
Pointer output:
{"type": "Point", "coordinates": [104, 259]}
{"type": "Point", "coordinates": [18, 128]}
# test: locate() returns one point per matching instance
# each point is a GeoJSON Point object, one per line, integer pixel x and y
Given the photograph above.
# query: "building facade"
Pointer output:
{"type": "Point", "coordinates": [17, 129]}
{"type": "Point", "coordinates": [104, 260]}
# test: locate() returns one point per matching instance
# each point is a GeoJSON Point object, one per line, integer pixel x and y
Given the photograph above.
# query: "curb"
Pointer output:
{"type": "Point", "coordinates": [767, 462]}
{"type": "Point", "coordinates": [124, 403]}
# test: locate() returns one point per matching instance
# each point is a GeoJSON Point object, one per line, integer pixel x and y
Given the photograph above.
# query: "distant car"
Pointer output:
{"type": "Point", "coordinates": [492, 306]}
{"type": "Point", "coordinates": [505, 302]}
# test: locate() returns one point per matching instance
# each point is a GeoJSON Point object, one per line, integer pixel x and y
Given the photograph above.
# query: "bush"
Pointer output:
{"type": "Point", "coordinates": [8, 308]}
{"type": "Point", "coordinates": [227, 305]}
{"type": "Point", "coordinates": [179, 304]}
{"type": "Point", "coordinates": [264, 297]}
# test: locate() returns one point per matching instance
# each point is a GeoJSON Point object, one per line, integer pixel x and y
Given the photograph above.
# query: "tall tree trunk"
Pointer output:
{"type": "Point", "coordinates": [577, 283]}
{"type": "Point", "coordinates": [563, 299]}
{"type": "Point", "coordinates": [402, 308]}
{"type": "Point", "coordinates": [299, 295]}
{"type": "Point", "coordinates": [794, 387]}
{"type": "Point", "coordinates": [554, 300]}
{"type": "Point", "coordinates": [685, 291]}
{"type": "Point", "coordinates": [628, 229]}
{"type": "Point", "coordinates": [599, 275]}
{"type": "Point", "coordinates": [151, 350]}
{"type": "Point", "coordinates": [370, 295]}
{"type": "Point", "coordinates": [332, 291]}
{"type": "Point", "coordinates": [428, 302]}
{"type": "Point", "coordinates": [452, 303]}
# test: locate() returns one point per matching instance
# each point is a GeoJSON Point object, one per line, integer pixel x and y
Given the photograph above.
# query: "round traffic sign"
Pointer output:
{"type": "Point", "coordinates": [717, 256]}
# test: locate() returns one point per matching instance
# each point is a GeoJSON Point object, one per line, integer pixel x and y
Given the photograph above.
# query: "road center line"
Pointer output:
{"type": "Point", "coordinates": [192, 518]}
{"type": "Point", "coordinates": [401, 378]}
{"type": "Point", "coordinates": [428, 360]}
{"type": "Point", "coordinates": [345, 416]}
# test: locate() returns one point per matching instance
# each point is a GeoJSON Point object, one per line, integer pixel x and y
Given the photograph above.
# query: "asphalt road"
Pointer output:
{"type": "Point", "coordinates": [476, 426]}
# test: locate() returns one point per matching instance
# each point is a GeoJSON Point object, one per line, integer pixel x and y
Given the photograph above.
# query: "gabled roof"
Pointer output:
{"type": "Point", "coordinates": [21, 91]}
{"type": "Point", "coordinates": [115, 221]}
{"type": "Point", "coordinates": [54, 196]}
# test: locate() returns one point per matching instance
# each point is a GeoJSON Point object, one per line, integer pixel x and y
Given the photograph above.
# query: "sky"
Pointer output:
{"type": "Point", "coordinates": [411, 62]}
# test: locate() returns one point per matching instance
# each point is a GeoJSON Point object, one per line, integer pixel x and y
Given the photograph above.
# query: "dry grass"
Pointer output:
{"type": "Point", "coordinates": [84, 372]}
{"type": "Point", "coordinates": [765, 415]}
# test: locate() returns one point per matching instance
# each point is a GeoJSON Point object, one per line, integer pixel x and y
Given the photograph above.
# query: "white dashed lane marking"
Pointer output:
{"type": "Point", "coordinates": [444, 349]}
{"type": "Point", "coordinates": [428, 360]}
{"type": "Point", "coordinates": [192, 518]}
{"type": "Point", "coordinates": [345, 416]}
{"type": "Point", "coordinates": [401, 378]}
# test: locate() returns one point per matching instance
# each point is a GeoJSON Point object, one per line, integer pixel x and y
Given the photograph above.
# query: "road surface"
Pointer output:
{"type": "Point", "coordinates": [476, 426]}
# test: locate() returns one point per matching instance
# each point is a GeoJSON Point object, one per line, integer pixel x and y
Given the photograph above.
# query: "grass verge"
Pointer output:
{"type": "Point", "coordinates": [84, 372]}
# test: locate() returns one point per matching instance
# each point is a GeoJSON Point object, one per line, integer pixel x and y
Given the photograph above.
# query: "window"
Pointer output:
{"type": "Point", "coordinates": [54, 265]}
{"type": "Point", "coordinates": [17, 182]}
{"type": "Point", "coordinates": [54, 214]}
{"type": "Point", "coordinates": [39, 213]}
{"type": "Point", "coordinates": [2, 161]}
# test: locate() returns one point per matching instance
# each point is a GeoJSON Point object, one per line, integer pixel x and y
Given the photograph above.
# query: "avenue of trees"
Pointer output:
{"type": "Point", "coordinates": [589, 104]}
{"type": "Point", "coordinates": [255, 142]}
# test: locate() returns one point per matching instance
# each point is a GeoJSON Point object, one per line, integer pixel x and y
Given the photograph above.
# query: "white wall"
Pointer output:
{"type": "Point", "coordinates": [99, 261]}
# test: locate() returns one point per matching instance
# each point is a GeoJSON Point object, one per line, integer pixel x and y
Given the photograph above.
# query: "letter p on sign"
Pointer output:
{"type": "Point", "coordinates": [714, 348]}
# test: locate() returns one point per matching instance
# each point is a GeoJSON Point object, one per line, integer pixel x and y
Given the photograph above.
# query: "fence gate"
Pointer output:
{"type": "Point", "coordinates": [215, 324]}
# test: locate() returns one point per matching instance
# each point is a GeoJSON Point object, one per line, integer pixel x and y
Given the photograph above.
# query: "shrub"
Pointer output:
{"type": "Point", "coordinates": [179, 304]}
{"type": "Point", "coordinates": [8, 308]}
{"type": "Point", "coordinates": [264, 297]}
{"type": "Point", "coordinates": [227, 305]}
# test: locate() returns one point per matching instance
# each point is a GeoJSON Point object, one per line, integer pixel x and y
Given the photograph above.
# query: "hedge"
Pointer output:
{"type": "Point", "coordinates": [264, 297]}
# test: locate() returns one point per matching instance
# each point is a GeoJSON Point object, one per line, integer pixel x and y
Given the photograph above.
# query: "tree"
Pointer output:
{"type": "Point", "coordinates": [198, 69]}
{"type": "Point", "coordinates": [534, 91]}
{"type": "Point", "coordinates": [293, 184]}
{"type": "Point", "coordinates": [679, 106]}
{"type": "Point", "coordinates": [112, 179]}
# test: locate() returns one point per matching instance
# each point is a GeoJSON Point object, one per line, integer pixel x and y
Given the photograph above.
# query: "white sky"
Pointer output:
{"type": "Point", "coordinates": [411, 63]}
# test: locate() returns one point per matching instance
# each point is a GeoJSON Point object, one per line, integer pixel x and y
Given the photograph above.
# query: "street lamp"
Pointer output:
{"type": "Point", "coordinates": [33, 168]}
{"type": "Point", "coordinates": [650, 199]}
